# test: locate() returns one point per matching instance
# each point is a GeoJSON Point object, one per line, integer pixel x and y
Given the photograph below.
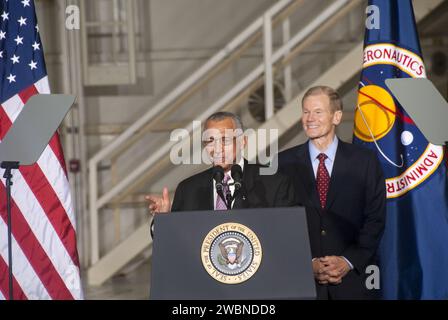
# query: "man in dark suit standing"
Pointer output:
{"type": "Point", "coordinates": [343, 188]}
{"type": "Point", "coordinates": [223, 140]}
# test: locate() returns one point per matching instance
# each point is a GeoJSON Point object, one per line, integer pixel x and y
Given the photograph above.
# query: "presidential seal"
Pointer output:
{"type": "Point", "coordinates": [231, 253]}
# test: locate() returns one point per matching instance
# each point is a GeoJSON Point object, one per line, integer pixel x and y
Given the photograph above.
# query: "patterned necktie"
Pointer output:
{"type": "Point", "coordinates": [323, 179]}
{"type": "Point", "coordinates": [220, 204]}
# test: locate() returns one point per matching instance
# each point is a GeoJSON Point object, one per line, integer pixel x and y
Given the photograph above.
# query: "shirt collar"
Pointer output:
{"type": "Point", "coordinates": [241, 163]}
{"type": "Point", "coordinates": [330, 152]}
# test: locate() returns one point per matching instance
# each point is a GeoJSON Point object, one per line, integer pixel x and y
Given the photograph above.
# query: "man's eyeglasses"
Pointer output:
{"type": "Point", "coordinates": [226, 141]}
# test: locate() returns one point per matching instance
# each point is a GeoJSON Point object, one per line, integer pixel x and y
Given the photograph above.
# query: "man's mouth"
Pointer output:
{"type": "Point", "coordinates": [222, 159]}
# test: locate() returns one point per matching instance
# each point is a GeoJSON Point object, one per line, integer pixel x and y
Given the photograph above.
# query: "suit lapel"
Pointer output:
{"type": "Point", "coordinates": [241, 200]}
{"type": "Point", "coordinates": [306, 174]}
{"type": "Point", "coordinates": [205, 195]}
{"type": "Point", "coordinates": [338, 171]}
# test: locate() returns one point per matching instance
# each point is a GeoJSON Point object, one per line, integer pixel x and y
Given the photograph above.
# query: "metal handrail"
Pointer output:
{"type": "Point", "coordinates": [96, 203]}
{"type": "Point", "coordinates": [158, 119]}
{"type": "Point", "coordinates": [212, 62]}
{"type": "Point", "coordinates": [154, 111]}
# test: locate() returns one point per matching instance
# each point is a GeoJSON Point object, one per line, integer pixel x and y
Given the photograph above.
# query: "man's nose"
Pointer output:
{"type": "Point", "coordinates": [218, 147]}
{"type": "Point", "coordinates": [311, 117]}
{"type": "Point", "coordinates": [223, 148]}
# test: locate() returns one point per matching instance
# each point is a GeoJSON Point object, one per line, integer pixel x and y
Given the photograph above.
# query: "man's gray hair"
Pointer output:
{"type": "Point", "coordinates": [333, 95]}
{"type": "Point", "coordinates": [221, 115]}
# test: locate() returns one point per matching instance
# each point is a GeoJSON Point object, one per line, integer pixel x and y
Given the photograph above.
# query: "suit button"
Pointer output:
{"type": "Point", "coordinates": [323, 232]}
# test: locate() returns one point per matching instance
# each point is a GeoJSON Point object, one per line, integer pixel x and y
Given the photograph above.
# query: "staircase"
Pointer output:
{"type": "Point", "coordinates": [138, 158]}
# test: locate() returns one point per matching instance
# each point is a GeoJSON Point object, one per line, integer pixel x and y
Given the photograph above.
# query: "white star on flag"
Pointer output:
{"type": "Point", "coordinates": [22, 21]}
{"type": "Point", "coordinates": [18, 40]}
{"type": "Point", "coordinates": [33, 65]}
{"type": "Point", "coordinates": [15, 59]}
{"type": "Point", "coordinates": [36, 46]}
{"type": "Point", "coordinates": [26, 3]}
{"type": "Point", "coordinates": [2, 35]}
{"type": "Point", "coordinates": [11, 78]}
{"type": "Point", "coordinates": [5, 16]}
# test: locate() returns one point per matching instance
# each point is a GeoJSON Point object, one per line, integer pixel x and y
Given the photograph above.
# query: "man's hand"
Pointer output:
{"type": "Point", "coordinates": [334, 268]}
{"type": "Point", "coordinates": [159, 204]}
{"type": "Point", "coordinates": [318, 267]}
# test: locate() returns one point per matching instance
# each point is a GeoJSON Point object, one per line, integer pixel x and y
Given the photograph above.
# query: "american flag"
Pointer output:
{"type": "Point", "coordinates": [45, 258]}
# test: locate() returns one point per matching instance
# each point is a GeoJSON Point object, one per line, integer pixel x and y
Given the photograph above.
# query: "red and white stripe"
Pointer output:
{"type": "Point", "coordinates": [25, 278]}
{"type": "Point", "coordinates": [45, 259]}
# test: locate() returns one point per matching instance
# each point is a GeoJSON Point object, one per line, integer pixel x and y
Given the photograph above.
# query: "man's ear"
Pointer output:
{"type": "Point", "coordinates": [244, 142]}
{"type": "Point", "coordinates": [337, 117]}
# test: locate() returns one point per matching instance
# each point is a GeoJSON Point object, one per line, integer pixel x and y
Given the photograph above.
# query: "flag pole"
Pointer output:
{"type": "Point", "coordinates": [446, 155]}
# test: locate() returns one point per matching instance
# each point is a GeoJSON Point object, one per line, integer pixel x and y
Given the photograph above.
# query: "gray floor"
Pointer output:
{"type": "Point", "coordinates": [131, 286]}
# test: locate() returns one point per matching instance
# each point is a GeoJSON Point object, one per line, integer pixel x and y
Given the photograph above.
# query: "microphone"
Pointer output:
{"type": "Point", "coordinates": [218, 176]}
{"type": "Point", "coordinates": [237, 176]}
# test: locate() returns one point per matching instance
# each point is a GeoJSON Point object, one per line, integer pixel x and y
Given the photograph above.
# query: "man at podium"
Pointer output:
{"type": "Point", "coordinates": [238, 185]}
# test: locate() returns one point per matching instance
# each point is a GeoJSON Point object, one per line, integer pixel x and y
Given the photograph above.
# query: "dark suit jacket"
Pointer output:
{"type": "Point", "coordinates": [259, 191]}
{"type": "Point", "coordinates": [352, 223]}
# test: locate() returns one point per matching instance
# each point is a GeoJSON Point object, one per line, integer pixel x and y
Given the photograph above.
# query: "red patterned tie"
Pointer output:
{"type": "Point", "coordinates": [322, 179]}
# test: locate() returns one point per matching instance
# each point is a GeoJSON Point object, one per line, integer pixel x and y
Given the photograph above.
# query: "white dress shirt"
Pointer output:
{"type": "Point", "coordinates": [330, 152]}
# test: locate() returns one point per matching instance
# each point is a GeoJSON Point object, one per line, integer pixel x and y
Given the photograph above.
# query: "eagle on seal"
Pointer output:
{"type": "Point", "coordinates": [231, 252]}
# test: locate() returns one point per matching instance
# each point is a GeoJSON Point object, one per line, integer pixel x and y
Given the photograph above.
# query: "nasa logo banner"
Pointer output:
{"type": "Point", "coordinates": [378, 115]}
{"type": "Point", "coordinates": [413, 256]}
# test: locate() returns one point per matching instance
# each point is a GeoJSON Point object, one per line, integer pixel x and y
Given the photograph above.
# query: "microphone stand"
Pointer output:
{"type": "Point", "coordinates": [230, 198]}
{"type": "Point", "coordinates": [8, 166]}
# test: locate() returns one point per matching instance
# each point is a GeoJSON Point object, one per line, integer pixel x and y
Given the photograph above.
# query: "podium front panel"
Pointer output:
{"type": "Point", "coordinates": [179, 264]}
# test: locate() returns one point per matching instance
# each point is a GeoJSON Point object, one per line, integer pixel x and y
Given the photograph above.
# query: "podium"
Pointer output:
{"type": "Point", "coordinates": [248, 254]}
